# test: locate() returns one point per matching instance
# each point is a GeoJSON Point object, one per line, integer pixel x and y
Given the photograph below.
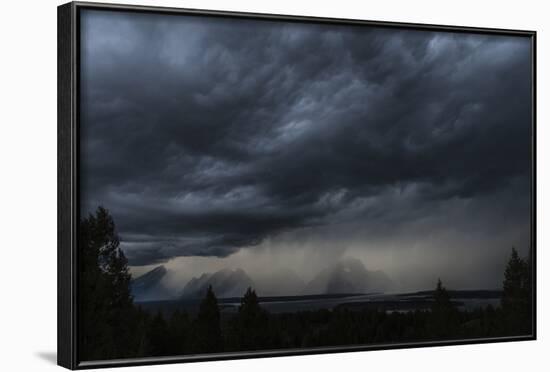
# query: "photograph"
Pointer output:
{"type": "Point", "coordinates": [285, 185]}
{"type": "Point", "coordinates": [274, 186]}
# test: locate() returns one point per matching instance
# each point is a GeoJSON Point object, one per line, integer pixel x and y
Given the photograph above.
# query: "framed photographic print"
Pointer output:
{"type": "Point", "coordinates": [237, 185]}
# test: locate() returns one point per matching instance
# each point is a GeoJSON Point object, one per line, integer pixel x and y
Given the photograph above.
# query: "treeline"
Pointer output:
{"type": "Point", "coordinates": [111, 326]}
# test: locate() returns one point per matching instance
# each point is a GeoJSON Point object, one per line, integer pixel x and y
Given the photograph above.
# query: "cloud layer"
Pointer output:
{"type": "Point", "coordinates": [207, 135]}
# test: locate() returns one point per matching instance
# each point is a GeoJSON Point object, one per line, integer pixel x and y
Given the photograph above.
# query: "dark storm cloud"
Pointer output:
{"type": "Point", "coordinates": [203, 136]}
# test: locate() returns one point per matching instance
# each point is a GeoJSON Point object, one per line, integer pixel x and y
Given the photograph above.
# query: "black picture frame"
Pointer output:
{"type": "Point", "coordinates": [68, 182]}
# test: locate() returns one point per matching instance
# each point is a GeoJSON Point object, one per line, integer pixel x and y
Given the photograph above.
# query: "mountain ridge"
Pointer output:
{"type": "Point", "coordinates": [225, 283]}
{"type": "Point", "coordinates": [348, 275]}
{"type": "Point", "coordinates": [150, 286]}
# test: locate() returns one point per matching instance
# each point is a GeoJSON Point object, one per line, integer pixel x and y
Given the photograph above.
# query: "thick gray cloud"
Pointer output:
{"type": "Point", "coordinates": [206, 135]}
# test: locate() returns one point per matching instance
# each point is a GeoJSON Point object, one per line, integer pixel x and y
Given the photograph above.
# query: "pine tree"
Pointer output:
{"type": "Point", "coordinates": [442, 300]}
{"type": "Point", "coordinates": [443, 317]}
{"type": "Point", "coordinates": [516, 296]}
{"type": "Point", "coordinates": [207, 335]}
{"type": "Point", "coordinates": [252, 323]}
{"type": "Point", "coordinates": [515, 285]}
{"type": "Point", "coordinates": [107, 317]}
{"type": "Point", "coordinates": [250, 308]}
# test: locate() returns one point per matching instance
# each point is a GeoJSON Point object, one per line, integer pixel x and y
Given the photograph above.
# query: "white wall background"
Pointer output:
{"type": "Point", "coordinates": [28, 184]}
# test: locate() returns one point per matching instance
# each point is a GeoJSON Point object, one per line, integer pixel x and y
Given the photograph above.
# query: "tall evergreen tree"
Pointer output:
{"type": "Point", "coordinates": [516, 296]}
{"type": "Point", "coordinates": [442, 319]}
{"type": "Point", "coordinates": [106, 313]}
{"type": "Point", "coordinates": [252, 323]}
{"type": "Point", "coordinates": [516, 281]}
{"type": "Point", "coordinates": [207, 334]}
{"type": "Point", "coordinates": [442, 300]}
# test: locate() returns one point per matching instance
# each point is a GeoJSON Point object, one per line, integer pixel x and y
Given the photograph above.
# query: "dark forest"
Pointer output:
{"type": "Point", "coordinates": [112, 326]}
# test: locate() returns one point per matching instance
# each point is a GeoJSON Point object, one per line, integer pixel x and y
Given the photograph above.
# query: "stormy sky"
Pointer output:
{"type": "Point", "coordinates": [222, 138]}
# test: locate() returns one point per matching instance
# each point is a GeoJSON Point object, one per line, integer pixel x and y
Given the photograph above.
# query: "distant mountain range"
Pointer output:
{"type": "Point", "coordinates": [348, 275]}
{"type": "Point", "coordinates": [150, 286]}
{"type": "Point", "coordinates": [225, 283]}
